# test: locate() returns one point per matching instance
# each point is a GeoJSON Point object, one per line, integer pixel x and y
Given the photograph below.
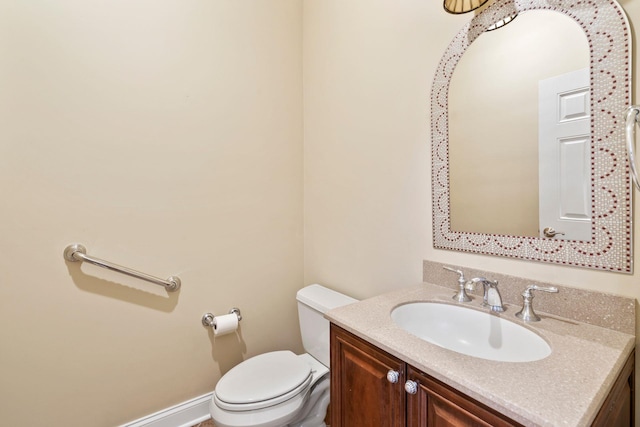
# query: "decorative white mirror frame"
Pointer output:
{"type": "Point", "coordinates": [607, 29]}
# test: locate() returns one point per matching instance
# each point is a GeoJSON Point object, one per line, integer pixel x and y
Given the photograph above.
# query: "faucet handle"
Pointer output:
{"type": "Point", "coordinates": [527, 314]}
{"type": "Point", "coordinates": [461, 295]}
{"type": "Point", "coordinates": [551, 289]}
{"type": "Point", "coordinates": [459, 272]}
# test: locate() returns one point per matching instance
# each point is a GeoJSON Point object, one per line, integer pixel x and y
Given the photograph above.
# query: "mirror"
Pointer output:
{"type": "Point", "coordinates": [505, 67]}
{"type": "Point", "coordinates": [489, 92]}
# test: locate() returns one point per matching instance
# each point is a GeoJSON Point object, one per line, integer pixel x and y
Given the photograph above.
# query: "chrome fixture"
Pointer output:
{"type": "Point", "coordinates": [76, 252]}
{"type": "Point", "coordinates": [551, 232]}
{"type": "Point", "coordinates": [527, 314]}
{"type": "Point", "coordinates": [491, 297]}
{"type": "Point", "coordinates": [630, 133]}
{"type": "Point", "coordinates": [209, 319]}
{"type": "Point", "coordinates": [461, 296]}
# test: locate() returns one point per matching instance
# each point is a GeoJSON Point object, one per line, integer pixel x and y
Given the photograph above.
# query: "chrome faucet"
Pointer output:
{"type": "Point", "coordinates": [491, 297]}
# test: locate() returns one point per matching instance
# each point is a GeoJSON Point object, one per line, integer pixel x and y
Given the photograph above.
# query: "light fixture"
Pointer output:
{"type": "Point", "coordinates": [501, 23]}
{"type": "Point", "coordinates": [462, 6]}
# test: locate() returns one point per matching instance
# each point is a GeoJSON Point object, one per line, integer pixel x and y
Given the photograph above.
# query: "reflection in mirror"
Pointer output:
{"type": "Point", "coordinates": [501, 23]}
{"type": "Point", "coordinates": [494, 126]}
{"type": "Point", "coordinates": [590, 166]}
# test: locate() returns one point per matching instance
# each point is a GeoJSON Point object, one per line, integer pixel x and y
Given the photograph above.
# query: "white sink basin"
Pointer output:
{"type": "Point", "coordinates": [471, 332]}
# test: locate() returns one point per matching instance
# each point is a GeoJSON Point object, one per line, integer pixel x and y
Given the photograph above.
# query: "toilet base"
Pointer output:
{"type": "Point", "coordinates": [316, 408]}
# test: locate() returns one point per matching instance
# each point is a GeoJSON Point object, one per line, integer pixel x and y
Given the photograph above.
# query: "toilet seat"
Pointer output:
{"type": "Point", "coordinates": [262, 381]}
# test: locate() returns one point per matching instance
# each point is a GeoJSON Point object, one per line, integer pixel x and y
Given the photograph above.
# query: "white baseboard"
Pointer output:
{"type": "Point", "coordinates": [185, 414]}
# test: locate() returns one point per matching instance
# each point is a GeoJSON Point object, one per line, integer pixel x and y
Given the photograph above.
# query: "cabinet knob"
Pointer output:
{"type": "Point", "coordinates": [393, 376]}
{"type": "Point", "coordinates": [411, 387]}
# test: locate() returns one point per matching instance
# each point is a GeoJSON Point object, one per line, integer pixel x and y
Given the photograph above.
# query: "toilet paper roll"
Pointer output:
{"type": "Point", "coordinates": [225, 324]}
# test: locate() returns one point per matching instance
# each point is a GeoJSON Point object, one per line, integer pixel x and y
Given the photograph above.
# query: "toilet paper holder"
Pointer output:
{"type": "Point", "coordinates": [208, 318]}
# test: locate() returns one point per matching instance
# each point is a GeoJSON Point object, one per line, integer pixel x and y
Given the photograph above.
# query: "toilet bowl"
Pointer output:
{"type": "Point", "coordinates": [280, 388]}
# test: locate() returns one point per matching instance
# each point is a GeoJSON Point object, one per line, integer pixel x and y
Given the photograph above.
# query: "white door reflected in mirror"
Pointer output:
{"type": "Point", "coordinates": [564, 149]}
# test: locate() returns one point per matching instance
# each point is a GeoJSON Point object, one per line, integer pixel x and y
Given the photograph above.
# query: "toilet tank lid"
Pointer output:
{"type": "Point", "coordinates": [322, 299]}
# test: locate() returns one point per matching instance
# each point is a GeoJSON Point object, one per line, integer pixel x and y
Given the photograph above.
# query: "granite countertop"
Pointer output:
{"type": "Point", "coordinates": [565, 389]}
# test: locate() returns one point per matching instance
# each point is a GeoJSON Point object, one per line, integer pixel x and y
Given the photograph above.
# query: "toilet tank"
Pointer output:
{"type": "Point", "coordinates": [313, 302]}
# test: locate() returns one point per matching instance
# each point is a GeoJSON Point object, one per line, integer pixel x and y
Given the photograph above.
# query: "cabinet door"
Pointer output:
{"type": "Point", "coordinates": [361, 395]}
{"type": "Point", "coordinates": [438, 405]}
{"type": "Point", "coordinates": [618, 409]}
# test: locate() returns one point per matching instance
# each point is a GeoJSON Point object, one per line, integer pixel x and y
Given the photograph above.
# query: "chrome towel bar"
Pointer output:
{"type": "Point", "coordinates": [630, 133]}
{"type": "Point", "coordinates": [76, 252]}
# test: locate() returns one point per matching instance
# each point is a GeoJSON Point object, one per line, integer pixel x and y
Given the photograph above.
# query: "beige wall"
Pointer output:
{"type": "Point", "coordinates": [368, 66]}
{"type": "Point", "coordinates": [165, 136]}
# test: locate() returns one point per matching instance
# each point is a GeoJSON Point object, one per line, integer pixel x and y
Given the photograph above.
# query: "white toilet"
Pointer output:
{"type": "Point", "coordinates": [281, 388]}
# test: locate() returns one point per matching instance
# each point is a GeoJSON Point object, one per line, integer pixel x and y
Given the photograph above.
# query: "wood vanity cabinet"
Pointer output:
{"type": "Point", "coordinates": [361, 394]}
